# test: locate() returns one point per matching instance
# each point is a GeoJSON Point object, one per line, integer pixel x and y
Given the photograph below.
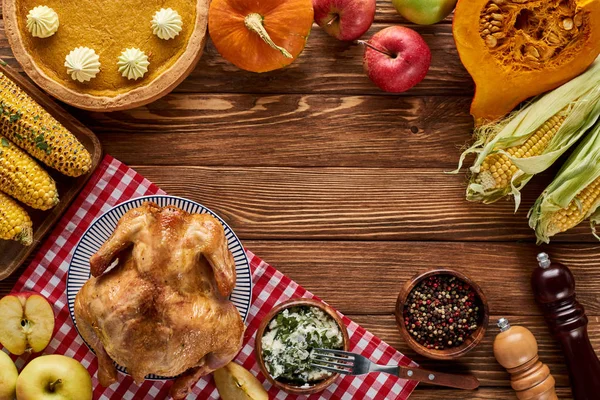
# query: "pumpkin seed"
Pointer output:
{"type": "Point", "coordinates": [552, 38]}
{"type": "Point", "coordinates": [485, 32]}
{"type": "Point", "coordinates": [498, 17]}
{"type": "Point", "coordinates": [496, 23]}
{"type": "Point", "coordinates": [491, 41]}
{"type": "Point", "coordinates": [567, 23]}
{"type": "Point", "coordinates": [531, 58]}
{"type": "Point", "coordinates": [495, 29]}
{"type": "Point", "coordinates": [492, 7]}
{"type": "Point", "coordinates": [499, 35]}
{"type": "Point", "coordinates": [578, 19]}
{"type": "Point", "coordinates": [532, 51]}
{"type": "Point", "coordinates": [548, 53]}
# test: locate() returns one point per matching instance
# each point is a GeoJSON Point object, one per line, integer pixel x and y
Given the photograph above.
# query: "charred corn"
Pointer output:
{"type": "Point", "coordinates": [573, 195]}
{"type": "Point", "coordinates": [510, 152]}
{"type": "Point", "coordinates": [23, 179]}
{"type": "Point", "coordinates": [15, 223]}
{"type": "Point", "coordinates": [32, 128]}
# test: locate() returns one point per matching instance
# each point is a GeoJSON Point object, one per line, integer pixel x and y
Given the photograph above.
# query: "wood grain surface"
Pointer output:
{"type": "Point", "coordinates": [343, 187]}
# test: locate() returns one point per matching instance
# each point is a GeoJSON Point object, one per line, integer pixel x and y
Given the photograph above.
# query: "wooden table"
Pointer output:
{"type": "Point", "coordinates": [342, 187]}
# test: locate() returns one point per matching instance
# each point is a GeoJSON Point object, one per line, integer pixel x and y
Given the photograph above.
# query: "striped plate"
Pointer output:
{"type": "Point", "coordinates": [103, 227]}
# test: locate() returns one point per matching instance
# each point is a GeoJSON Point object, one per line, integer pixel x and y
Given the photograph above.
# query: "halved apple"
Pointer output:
{"type": "Point", "coordinates": [27, 323]}
{"type": "Point", "coordinates": [235, 382]}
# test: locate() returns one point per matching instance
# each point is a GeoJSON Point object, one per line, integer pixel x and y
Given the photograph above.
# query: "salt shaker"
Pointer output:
{"type": "Point", "coordinates": [516, 349]}
{"type": "Point", "coordinates": [554, 289]}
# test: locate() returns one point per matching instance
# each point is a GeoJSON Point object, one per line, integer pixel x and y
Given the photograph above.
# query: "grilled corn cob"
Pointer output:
{"type": "Point", "coordinates": [512, 151]}
{"type": "Point", "coordinates": [15, 223]}
{"type": "Point", "coordinates": [32, 128]}
{"type": "Point", "coordinates": [573, 195]}
{"type": "Point", "coordinates": [22, 178]}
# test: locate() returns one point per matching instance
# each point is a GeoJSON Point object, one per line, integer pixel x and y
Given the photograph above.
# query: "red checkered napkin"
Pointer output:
{"type": "Point", "coordinates": [113, 183]}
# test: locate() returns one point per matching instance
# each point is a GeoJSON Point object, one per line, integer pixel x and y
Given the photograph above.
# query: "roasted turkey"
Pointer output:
{"type": "Point", "coordinates": [163, 309]}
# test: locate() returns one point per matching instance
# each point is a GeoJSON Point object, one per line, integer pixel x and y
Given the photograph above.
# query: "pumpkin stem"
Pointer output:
{"type": "Point", "coordinates": [254, 22]}
{"type": "Point", "coordinates": [365, 43]}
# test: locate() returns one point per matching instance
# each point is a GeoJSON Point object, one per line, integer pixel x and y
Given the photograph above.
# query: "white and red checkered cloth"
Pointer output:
{"type": "Point", "coordinates": [113, 183]}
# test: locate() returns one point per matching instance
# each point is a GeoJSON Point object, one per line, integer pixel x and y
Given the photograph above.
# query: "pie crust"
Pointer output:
{"type": "Point", "coordinates": [115, 95]}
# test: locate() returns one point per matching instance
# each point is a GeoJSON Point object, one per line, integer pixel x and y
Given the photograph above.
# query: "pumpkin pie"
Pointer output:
{"type": "Point", "coordinates": [165, 37]}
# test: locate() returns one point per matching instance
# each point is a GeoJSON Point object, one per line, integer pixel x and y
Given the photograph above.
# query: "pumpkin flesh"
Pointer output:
{"type": "Point", "coordinates": [287, 24]}
{"type": "Point", "coordinates": [516, 49]}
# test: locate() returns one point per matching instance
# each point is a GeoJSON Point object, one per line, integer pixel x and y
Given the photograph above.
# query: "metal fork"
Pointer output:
{"type": "Point", "coordinates": [343, 362]}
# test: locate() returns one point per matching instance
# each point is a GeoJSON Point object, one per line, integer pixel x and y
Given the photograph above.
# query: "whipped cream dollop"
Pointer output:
{"type": "Point", "coordinates": [82, 64]}
{"type": "Point", "coordinates": [133, 63]}
{"type": "Point", "coordinates": [166, 23]}
{"type": "Point", "coordinates": [42, 21]}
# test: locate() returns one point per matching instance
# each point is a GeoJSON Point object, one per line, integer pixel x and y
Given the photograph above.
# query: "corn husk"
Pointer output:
{"type": "Point", "coordinates": [578, 100]}
{"type": "Point", "coordinates": [580, 170]}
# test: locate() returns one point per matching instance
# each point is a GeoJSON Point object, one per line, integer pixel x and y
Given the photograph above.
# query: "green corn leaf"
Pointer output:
{"type": "Point", "coordinates": [577, 100]}
{"type": "Point", "coordinates": [579, 171]}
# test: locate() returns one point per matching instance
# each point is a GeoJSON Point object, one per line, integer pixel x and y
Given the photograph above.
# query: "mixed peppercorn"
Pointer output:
{"type": "Point", "coordinates": [442, 311]}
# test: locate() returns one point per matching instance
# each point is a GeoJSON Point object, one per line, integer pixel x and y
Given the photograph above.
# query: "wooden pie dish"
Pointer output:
{"type": "Point", "coordinates": [286, 387]}
{"type": "Point", "coordinates": [108, 27]}
{"type": "Point", "coordinates": [453, 352]}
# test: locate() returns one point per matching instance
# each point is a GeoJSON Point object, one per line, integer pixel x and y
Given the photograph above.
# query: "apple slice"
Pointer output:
{"type": "Point", "coordinates": [27, 323]}
{"type": "Point", "coordinates": [235, 382]}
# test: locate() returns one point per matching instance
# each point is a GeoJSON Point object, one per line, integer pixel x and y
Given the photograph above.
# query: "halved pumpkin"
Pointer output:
{"type": "Point", "coordinates": [516, 49]}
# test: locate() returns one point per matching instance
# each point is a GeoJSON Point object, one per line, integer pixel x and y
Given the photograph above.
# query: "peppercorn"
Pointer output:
{"type": "Point", "coordinates": [449, 318]}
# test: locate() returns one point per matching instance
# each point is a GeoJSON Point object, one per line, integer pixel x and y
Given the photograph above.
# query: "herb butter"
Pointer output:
{"type": "Point", "coordinates": [290, 338]}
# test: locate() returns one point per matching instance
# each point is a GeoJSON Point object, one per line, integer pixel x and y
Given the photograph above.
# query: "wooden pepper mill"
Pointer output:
{"type": "Point", "coordinates": [516, 349]}
{"type": "Point", "coordinates": [554, 289]}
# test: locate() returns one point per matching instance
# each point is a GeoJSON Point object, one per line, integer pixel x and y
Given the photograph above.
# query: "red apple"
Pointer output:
{"type": "Point", "coordinates": [396, 59]}
{"type": "Point", "coordinates": [344, 19]}
{"type": "Point", "coordinates": [27, 323]}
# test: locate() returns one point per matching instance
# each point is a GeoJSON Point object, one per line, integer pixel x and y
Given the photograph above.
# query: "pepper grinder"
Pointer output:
{"type": "Point", "coordinates": [554, 289]}
{"type": "Point", "coordinates": [516, 349]}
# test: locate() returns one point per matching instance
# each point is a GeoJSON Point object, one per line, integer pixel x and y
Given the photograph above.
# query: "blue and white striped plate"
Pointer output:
{"type": "Point", "coordinates": [103, 227]}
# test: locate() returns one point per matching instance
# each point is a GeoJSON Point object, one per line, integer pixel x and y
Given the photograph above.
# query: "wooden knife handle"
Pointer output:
{"type": "Point", "coordinates": [468, 382]}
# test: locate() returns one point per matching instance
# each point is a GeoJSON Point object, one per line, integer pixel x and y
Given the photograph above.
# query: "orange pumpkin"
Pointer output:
{"type": "Point", "coordinates": [260, 35]}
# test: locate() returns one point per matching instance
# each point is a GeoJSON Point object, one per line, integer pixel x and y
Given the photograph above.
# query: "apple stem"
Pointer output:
{"type": "Point", "coordinates": [52, 385]}
{"type": "Point", "coordinates": [365, 43]}
{"type": "Point", "coordinates": [333, 19]}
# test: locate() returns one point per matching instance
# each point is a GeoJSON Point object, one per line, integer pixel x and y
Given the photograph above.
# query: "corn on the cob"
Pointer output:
{"type": "Point", "coordinates": [570, 216]}
{"type": "Point", "coordinates": [573, 195]}
{"type": "Point", "coordinates": [497, 169]}
{"type": "Point", "coordinates": [512, 151]}
{"type": "Point", "coordinates": [15, 223]}
{"type": "Point", "coordinates": [22, 178]}
{"type": "Point", "coordinates": [33, 129]}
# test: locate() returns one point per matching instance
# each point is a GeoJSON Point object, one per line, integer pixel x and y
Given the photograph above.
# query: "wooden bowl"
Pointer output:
{"type": "Point", "coordinates": [450, 353]}
{"type": "Point", "coordinates": [287, 387]}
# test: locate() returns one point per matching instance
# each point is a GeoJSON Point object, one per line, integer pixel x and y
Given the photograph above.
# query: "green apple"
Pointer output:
{"type": "Point", "coordinates": [8, 377]}
{"type": "Point", "coordinates": [424, 12]}
{"type": "Point", "coordinates": [54, 377]}
{"type": "Point", "coordinates": [235, 382]}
